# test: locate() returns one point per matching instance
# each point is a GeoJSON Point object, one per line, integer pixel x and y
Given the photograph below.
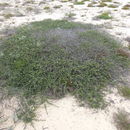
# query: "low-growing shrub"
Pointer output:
{"type": "Point", "coordinates": [46, 7]}
{"type": "Point", "coordinates": [79, 3]}
{"type": "Point", "coordinates": [112, 6]}
{"type": "Point", "coordinates": [125, 91]}
{"type": "Point", "coordinates": [57, 6]}
{"type": "Point", "coordinates": [8, 15]}
{"type": "Point", "coordinates": [105, 15]}
{"type": "Point", "coordinates": [126, 7]}
{"type": "Point", "coordinates": [102, 4]}
{"type": "Point", "coordinates": [70, 15]}
{"type": "Point", "coordinates": [52, 58]}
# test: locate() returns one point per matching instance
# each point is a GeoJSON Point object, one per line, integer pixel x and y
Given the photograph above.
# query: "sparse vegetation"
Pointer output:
{"type": "Point", "coordinates": [128, 39]}
{"type": "Point", "coordinates": [70, 15]}
{"type": "Point", "coordinates": [125, 91]}
{"type": "Point", "coordinates": [29, 2]}
{"type": "Point", "coordinates": [79, 3]}
{"type": "Point", "coordinates": [106, 0]}
{"type": "Point", "coordinates": [4, 4]}
{"type": "Point", "coordinates": [46, 7]}
{"type": "Point", "coordinates": [102, 4]}
{"type": "Point", "coordinates": [66, 0]}
{"type": "Point", "coordinates": [122, 120]}
{"type": "Point", "coordinates": [50, 59]}
{"type": "Point", "coordinates": [105, 15]}
{"type": "Point", "coordinates": [57, 6]}
{"type": "Point", "coordinates": [112, 6]}
{"type": "Point", "coordinates": [8, 15]}
{"type": "Point", "coordinates": [26, 113]}
{"type": "Point", "coordinates": [116, 2]}
{"type": "Point", "coordinates": [29, 8]}
{"type": "Point", "coordinates": [126, 7]}
{"type": "Point", "coordinates": [72, 6]}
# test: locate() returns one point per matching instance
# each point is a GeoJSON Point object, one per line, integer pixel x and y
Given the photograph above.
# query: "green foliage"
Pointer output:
{"type": "Point", "coordinates": [52, 58]}
{"type": "Point", "coordinates": [70, 15]}
{"type": "Point", "coordinates": [79, 2]}
{"type": "Point", "coordinates": [102, 4]}
{"type": "Point", "coordinates": [26, 116]}
{"type": "Point", "coordinates": [126, 7]}
{"type": "Point", "coordinates": [112, 6]}
{"type": "Point", "coordinates": [66, 0]}
{"type": "Point", "coordinates": [122, 120]}
{"type": "Point", "coordinates": [105, 15]}
{"type": "Point", "coordinates": [125, 91]}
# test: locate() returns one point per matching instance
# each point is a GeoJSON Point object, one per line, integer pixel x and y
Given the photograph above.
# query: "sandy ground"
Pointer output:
{"type": "Point", "coordinates": [66, 113]}
{"type": "Point", "coordinates": [25, 11]}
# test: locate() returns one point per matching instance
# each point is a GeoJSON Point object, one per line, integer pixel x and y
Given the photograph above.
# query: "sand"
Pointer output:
{"type": "Point", "coordinates": [67, 114]}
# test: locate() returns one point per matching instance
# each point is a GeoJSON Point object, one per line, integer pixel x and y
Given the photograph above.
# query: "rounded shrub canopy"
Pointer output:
{"type": "Point", "coordinates": [53, 58]}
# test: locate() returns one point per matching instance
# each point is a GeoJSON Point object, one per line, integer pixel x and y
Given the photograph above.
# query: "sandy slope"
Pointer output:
{"type": "Point", "coordinates": [66, 114]}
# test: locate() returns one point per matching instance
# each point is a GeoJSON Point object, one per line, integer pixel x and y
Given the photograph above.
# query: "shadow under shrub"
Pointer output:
{"type": "Point", "coordinates": [53, 58]}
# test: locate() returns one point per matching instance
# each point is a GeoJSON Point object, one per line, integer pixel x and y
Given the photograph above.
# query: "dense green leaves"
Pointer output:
{"type": "Point", "coordinates": [53, 58]}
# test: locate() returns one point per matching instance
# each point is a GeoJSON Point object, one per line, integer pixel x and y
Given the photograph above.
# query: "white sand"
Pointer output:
{"type": "Point", "coordinates": [66, 114]}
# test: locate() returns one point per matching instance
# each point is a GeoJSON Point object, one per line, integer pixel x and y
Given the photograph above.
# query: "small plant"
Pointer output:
{"type": "Point", "coordinates": [125, 91]}
{"type": "Point", "coordinates": [126, 7]}
{"type": "Point", "coordinates": [106, 0]}
{"type": "Point", "coordinates": [26, 115]}
{"type": "Point", "coordinates": [79, 3]}
{"type": "Point", "coordinates": [112, 6]}
{"type": "Point", "coordinates": [29, 8]}
{"type": "Point", "coordinates": [116, 2]}
{"type": "Point", "coordinates": [46, 7]}
{"type": "Point", "coordinates": [105, 15]}
{"type": "Point", "coordinates": [102, 4]}
{"type": "Point", "coordinates": [72, 6]}
{"type": "Point", "coordinates": [122, 120]}
{"type": "Point", "coordinates": [28, 2]}
{"type": "Point", "coordinates": [57, 6]}
{"type": "Point", "coordinates": [70, 15]}
{"type": "Point", "coordinates": [8, 15]}
{"type": "Point", "coordinates": [4, 4]}
{"type": "Point", "coordinates": [66, 0]}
